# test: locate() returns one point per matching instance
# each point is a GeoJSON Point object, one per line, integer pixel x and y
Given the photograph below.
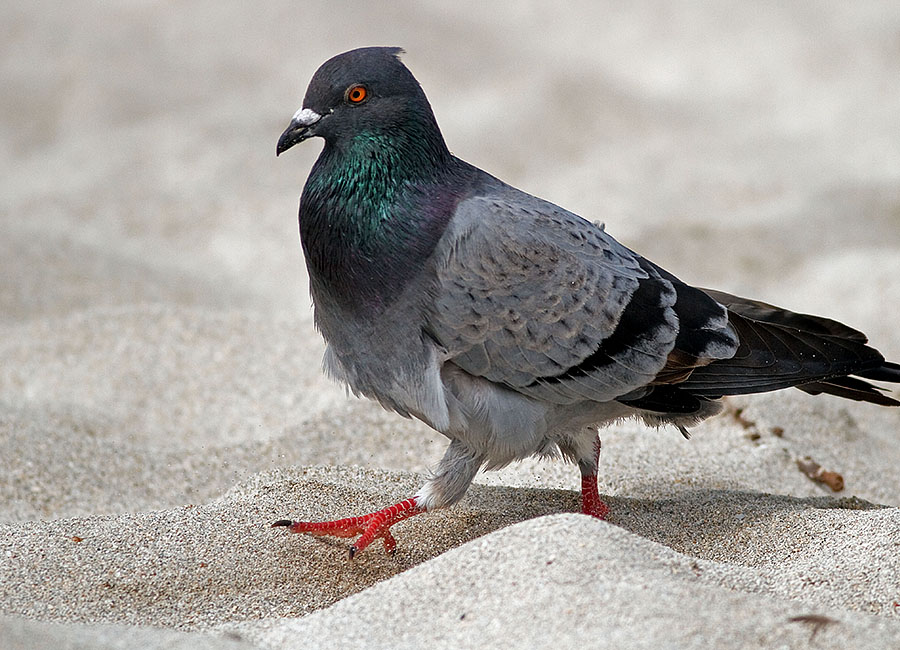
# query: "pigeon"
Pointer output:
{"type": "Point", "coordinates": [507, 323]}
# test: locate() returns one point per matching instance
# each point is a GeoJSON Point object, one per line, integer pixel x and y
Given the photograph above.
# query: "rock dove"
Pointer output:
{"type": "Point", "coordinates": [510, 325]}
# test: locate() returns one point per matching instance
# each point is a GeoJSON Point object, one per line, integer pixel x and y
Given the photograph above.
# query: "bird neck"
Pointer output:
{"type": "Point", "coordinates": [372, 211]}
{"type": "Point", "coordinates": [366, 174]}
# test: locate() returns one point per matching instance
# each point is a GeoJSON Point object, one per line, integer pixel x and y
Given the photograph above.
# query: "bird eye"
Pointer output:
{"type": "Point", "coordinates": [357, 94]}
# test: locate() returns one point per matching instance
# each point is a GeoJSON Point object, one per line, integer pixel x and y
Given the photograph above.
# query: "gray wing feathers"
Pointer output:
{"type": "Point", "coordinates": [527, 293]}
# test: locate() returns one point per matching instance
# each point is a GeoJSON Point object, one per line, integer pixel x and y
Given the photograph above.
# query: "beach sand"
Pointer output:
{"type": "Point", "coordinates": [161, 393]}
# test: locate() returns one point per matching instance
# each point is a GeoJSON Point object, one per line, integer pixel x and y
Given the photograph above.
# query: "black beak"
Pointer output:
{"type": "Point", "coordinates": [300, 128]}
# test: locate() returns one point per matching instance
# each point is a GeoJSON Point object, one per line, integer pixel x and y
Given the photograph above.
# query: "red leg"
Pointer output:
{"type": "Point", "coordinates": [591, 504]}
{"type": "Point", "coordinates": [369, 527]}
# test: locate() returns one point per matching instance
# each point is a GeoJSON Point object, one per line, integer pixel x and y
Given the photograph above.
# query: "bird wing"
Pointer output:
{"type": "Point", "coordinates": [535, 298]}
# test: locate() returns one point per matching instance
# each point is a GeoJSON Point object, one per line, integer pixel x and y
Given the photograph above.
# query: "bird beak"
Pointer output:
{"type": "Point", "coordinates": [298, 130]}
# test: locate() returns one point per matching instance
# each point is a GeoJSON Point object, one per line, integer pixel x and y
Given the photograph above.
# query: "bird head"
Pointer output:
{"type": "Point", "coordinates": [361, 91]}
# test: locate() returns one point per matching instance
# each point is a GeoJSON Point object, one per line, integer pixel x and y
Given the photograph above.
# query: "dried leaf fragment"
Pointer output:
{"type": "Point", "coordinates": [819, 474]}
{"type": "Point", "coordinates": [817, 621]}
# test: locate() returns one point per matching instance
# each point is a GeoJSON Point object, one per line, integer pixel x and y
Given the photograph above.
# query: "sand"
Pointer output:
{"type": "Point", "coordinates": [161, 399]}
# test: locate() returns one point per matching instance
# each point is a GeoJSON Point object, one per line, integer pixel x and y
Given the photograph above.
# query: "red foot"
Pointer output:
{"type": "Point", "coordinates": [590, 498]}
{"type": "Point", "coordinates": [368, 527]}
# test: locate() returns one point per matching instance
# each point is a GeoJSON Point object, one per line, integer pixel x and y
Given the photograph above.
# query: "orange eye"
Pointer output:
{"type": "Point", "coordinates": [357, 94]}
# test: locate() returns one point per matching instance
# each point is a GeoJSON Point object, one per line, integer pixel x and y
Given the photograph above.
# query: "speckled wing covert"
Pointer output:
{"type": "Point", "coordinates": [535, 298]}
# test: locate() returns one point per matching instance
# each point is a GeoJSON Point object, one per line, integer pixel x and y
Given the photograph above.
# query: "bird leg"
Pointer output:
{"type": "Point", "coordinates": [591, 504]}
{"type": "Point", "coordinates": [369, 527]}
{"type": "Point", "coordinates": [446, 486]}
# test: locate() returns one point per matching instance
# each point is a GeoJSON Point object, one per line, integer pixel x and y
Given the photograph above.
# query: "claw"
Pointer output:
{"type": "Point", "coordinates": [390, 544]}
{"type": "Point", "coordinates": [369, 527]}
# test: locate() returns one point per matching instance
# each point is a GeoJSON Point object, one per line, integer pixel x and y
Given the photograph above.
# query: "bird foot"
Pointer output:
{"type": "Point", "coordinates": [591, 504]}
{"type": "Point", "coordinates": [369, 527]}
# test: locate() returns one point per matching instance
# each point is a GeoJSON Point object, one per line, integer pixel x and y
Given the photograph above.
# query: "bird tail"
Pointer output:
{"type": "Point", "coordinates": [856, 389]}
{"type": "Point", "coordinates": [781, 349]}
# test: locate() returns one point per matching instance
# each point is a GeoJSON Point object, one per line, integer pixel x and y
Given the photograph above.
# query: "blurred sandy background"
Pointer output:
{"type": "Point", "coordinates": [160, 391]}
